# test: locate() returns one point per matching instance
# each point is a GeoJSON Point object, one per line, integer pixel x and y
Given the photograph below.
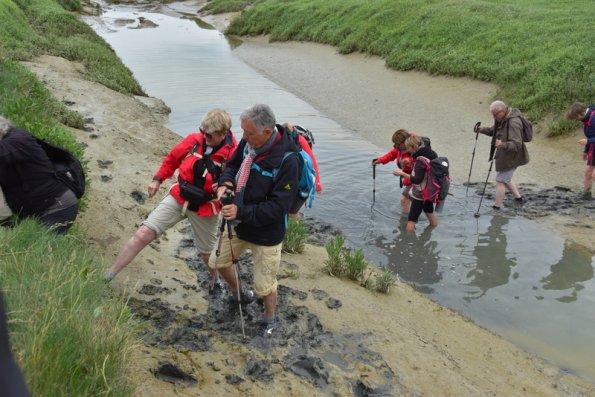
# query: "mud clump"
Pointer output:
{"type": "Point", "coordinates": [171, 373]}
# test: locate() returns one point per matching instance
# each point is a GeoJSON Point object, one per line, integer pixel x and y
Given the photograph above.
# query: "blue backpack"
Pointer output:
{"type": "Point", "coordinates": [307, 182]}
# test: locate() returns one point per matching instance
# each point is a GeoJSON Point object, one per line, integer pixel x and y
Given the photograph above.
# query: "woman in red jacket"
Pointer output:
{"type": "Point", "coordinates": [404, 162]}
{"type": "Point", "coordinates": [199, 160]}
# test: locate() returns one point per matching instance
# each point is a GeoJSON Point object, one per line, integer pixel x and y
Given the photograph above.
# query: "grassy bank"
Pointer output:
{"type": "Point", "coordinates": [537, 52]}
{"type": "Point", "coordinates": [69, 338]}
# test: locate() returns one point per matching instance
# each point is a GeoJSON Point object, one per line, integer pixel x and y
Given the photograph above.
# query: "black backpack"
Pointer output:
{"type": "Point", "coordinates": [305, 133]}
{"type": "Point", "coordinates": [438, 179]}
{"type": "Point", "coordinates": [67, 168]}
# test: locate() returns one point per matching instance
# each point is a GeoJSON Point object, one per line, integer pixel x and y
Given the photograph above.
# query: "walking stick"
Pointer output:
{"type": "Point", "coordinates": [476, 128]}
{"type": "Point", "coordinates": [484, 186]}
{"type": "Point", "coordinates": [374, 183]}
{"type": "Point", "coordinates": [221, 230]}
{"type": "Point", "coordinates": [236, 270]}
{"type": "Point", "coordinates": [226, 199]}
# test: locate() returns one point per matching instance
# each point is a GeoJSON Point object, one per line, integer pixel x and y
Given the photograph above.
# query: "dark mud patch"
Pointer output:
{"type": "Point", "coordinates": [171, 373]}
{"type": "Point", "coordinates": [558, 200]}
{"type": "Point", "coordinates": [319, 233]}
{"type": "Point", "coordinates": [300, 345]}
{"type": "Point", "coordinates": [149, 289]}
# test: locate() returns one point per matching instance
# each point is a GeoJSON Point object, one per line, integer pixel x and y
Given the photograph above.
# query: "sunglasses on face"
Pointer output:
{"type": "Point", "coordinates": [206, 134]}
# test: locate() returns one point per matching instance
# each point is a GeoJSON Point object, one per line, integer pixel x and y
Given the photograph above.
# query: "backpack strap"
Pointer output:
{"type": "Point", "coordinates": [275, 171]}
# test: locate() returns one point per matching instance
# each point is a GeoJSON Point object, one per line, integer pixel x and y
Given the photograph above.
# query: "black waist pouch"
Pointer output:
{"type": "Point", "coordinates": [194, 194]}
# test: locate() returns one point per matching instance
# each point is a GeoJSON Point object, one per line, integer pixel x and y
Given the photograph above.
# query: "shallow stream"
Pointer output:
{"type": "Point", "coordinates": [505, 272]}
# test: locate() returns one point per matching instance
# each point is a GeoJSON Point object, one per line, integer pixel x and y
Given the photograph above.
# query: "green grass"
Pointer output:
{"type": "Point", "coordinates": [69, 338]}
{"type": "Point", "coordinates": [295, 238]}
{"type": "Point", "coordinates": [342, 262]}
{"type": "Point", "coordinates": [29, 28]}
{"type": "Point", "coordinates": [536, 51]}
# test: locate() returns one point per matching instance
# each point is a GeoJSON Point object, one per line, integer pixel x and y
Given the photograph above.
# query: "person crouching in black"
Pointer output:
{"type": "Point", "coordinates": [30, 186]}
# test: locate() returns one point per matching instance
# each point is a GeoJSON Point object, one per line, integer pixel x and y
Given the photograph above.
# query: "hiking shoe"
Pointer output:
{"type": "Point", "coordinates": [519, 201]}
{"type": "Point", "coordinates": [216, 286]}
{"type": "Point", "coordinates": [246, 297]}
{"type": "Point", "coordinates": [109, 276]}
{"type": "Point", "coordinates": [495, 208]}
{"type": "Point", "coordinates": [587, 196]}
{"type": "Point", "coordinates": [266, 329]}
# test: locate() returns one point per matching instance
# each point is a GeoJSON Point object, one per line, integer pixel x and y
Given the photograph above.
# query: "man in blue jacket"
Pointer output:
{"type": "Point", "coordinates": [265, 182]}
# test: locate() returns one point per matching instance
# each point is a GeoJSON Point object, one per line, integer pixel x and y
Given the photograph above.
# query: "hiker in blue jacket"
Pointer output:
{"type": "Point", "coordinates": [27, 179]}
{"type": "Point", "coordinates": [260, 206]}
{"type": "Point", "coordinates": [586, 115]}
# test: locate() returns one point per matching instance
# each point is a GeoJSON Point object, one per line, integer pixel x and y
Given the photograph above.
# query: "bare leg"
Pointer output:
{"type": "Point", "coordinates": [405, 204]}
{"type": "Point", "coordinates": [410, 226]}
{"type": "Point", "coordinates": [432, 218]}
{"type": "Point", "coordinates": [139, 240]}
{"type": "Point", "coordinates": [214, 272]}
{"type": "Point", "coordinates": [270, 304]}
{"type": "Point", "coordinates": [589, 177]}
{"type": "Point", "coordinates": [229, 275]}
{"type": "Point", "coordinates": [500, 192]}
{"type": "Point", "coordinates": [513, 189]}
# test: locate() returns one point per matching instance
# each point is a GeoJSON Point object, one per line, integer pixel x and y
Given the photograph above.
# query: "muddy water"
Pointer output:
{"type": "Point", "coordinates": [505, 272]}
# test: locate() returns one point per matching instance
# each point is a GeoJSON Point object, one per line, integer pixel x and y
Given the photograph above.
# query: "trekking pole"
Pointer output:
{"type": "Point", "coordinates": [484, 187]}
{"type": "Point", "coordinates": [221, 230]}
{"type": "Point", "coordinates": [476, 128]}
{"type": "Point", "coordinates": [236, 270]}
{"type": "Point", "coordinates": [374, 183]}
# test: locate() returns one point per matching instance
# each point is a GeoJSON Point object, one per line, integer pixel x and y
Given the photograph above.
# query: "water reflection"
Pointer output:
{"type": "Point", "coordinates": [414, 257]}
{"type": "Point", "coordinates": [493, 267]}
{"type": "Point", "coordinates": [573, 268]}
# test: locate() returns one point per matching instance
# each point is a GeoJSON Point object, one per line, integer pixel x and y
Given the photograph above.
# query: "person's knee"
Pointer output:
{"type": "Point", "coordinates": [144, 235]}
{"type": "Point", "coordinates": [410, 226]}
{"type": "Point", "coordinates": [433, 219]}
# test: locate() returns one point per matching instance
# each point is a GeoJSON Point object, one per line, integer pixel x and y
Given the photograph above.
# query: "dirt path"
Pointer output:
{"type": "Point", "coordinates": [337, 339]}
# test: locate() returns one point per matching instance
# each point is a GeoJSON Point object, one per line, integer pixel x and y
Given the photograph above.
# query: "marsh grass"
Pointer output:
{"type": "Point", "coordinates": [69, 338]}
{"type": "Point", "coordinates": [335, 262]}
{"type": "Point", "coordinates": [383, 281]}
{"type": "Point", "coordinates": [342, 262]}
{"type": "Point", "coordinates": [296, 236]}
{"type": "Point", "coordinates": [355, 264]}
{"type": "Point", "coordinates": [534, 50]}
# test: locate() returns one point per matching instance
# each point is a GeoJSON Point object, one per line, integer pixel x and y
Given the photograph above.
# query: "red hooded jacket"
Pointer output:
{"type": "Point", "coordinates": [191, 167]}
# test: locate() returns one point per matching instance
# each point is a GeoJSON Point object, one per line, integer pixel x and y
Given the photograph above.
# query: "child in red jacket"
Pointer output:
{"type": "Point", "coordinates": [403, 160]}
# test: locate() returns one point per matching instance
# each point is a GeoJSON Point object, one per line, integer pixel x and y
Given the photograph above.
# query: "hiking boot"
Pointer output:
{"type": "Point", "coordinates": [519, 201]}
{"type": "Point", "coordinates": [587, 196]}
{"type": "Point", "coordinates": [266, 329]}
{"type": "Point", "coordinates": [495, 208]}
{"type": "Point", "coordinates": [216, 286]}
{"type": "Point", "coordinates": [246, 297]}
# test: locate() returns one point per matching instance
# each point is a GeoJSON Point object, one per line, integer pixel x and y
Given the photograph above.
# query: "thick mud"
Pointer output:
{"type": "Point", "coordinates": [300, 343]}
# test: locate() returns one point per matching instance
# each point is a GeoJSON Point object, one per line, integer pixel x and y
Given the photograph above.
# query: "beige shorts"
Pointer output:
{"type": "Point", "coordinates": [169, 212]}
{"type": "Point", "coordinates": [266, 262]}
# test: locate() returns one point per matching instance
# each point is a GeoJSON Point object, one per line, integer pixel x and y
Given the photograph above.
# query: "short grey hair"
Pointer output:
{"type": "Point", "coordinates": [5, 126]}
{"type": "Point", "coordinates": [497, 107]}
{"type": "Point", "coordinates": [261, 116]}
